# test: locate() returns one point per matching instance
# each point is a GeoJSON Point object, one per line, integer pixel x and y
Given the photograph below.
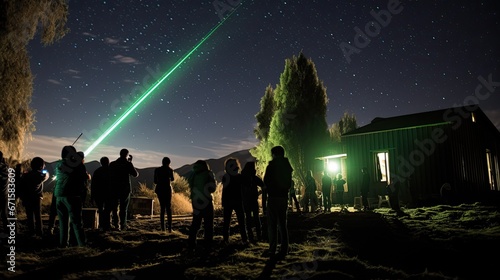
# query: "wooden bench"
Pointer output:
{"type": "Point", "coordinates": [141, 206]}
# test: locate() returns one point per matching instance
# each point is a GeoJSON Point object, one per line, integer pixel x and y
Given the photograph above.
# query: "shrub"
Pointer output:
{"type": "Point", "coordinates": [180, 184]}
{"type": "Point", "coordinates": [217, 200]}
{"type": "Point", "coordinates": [143, 191]}
{"type": "Point", "coordinates": [180, 204]}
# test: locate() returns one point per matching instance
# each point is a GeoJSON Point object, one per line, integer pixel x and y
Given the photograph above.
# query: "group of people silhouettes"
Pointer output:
{"type": "Point", "coordinates": [240, 192]}
{"type": "Point", "coordinates": [110, 191]}
{"type": "Point", "coordinates": [320, 199]}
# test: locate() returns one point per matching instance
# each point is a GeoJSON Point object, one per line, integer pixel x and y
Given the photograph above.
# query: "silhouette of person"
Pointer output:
{"type": "Point", "coordinates": [232, 200]}
{"type": "Point", "coordinates": [4, 192]}
{"type": "Point", "coordinates": [120, 171]}
{"type": "Point", "coordinates": [85, 187]}
{"type": "Point", "coordinates": [293, 198]}
{"type": "Point", "coordinates": [84, 190]}
{"type": "Point", "coordinates": [339, 191]}
{"type": "Point", "coordinates": [201, 184]}
{"type": "Point", "coordinates": [393, 190]}
{"type": "Point", "coordinates": [326, 189]}
{"type": "Point", "coordinates": [100, 192]}
{"type": "Point", "coordinates": [70, 177]}
{"type": "Point", "coordinates": [32, 184]}
{"type": "Point", "coordinates": [105, 191]}
{"type": "Point", "coordinates": [163, 176]}
{"type": "Point", "coordinates": [251, 184]}
{"type": "Point", "coordinates": [365, 188]}
{"type": "Point", "coordinates": [111, 209]}
{"type": "Point", "coordinates": [310, 197]}
{"type": "Point", "coordinates": [278, 180]}
{"type": "Point", "coordinates": [110, 198]}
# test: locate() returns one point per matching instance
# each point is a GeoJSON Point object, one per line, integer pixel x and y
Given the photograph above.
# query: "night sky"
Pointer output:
{"type": "Point", "coordinates": [428, 55]}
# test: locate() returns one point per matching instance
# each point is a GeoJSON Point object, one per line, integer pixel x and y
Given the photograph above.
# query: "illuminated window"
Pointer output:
{"type": "Point", "coordinates": [473, 117]}
{"type": "Point", "coordinates": [382, 167]}
{"type": "Point", "coordinates": [489, 162]}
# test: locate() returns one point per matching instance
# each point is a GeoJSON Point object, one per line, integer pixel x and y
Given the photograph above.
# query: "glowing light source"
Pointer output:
{"type": "Point", "coordinates": [333, 167]}
{"type": "Point", "coordinates": [333, 162]}
{"type": "Point", "coordinates": [151, 89]}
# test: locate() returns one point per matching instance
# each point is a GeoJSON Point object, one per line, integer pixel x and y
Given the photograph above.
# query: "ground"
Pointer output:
{"type": "Point", "coordinates": [441, 242]}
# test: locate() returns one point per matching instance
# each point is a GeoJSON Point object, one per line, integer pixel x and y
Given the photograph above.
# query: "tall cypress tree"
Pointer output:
{"type": "Point", "coordinates": [265, 115]}
{"type": "Point", "coordinates": [261, 131]}
{"type": "Point", "coordinates": [299, 118]}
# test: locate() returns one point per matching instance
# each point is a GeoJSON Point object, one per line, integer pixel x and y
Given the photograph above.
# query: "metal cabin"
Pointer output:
{"type": "Point", "coordinates": [442, 156]}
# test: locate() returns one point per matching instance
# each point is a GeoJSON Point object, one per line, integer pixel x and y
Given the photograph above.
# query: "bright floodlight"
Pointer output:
{"type": "Point", "coordinates": [333, 167]}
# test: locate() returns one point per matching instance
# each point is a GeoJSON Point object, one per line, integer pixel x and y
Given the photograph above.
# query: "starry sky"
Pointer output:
{"type": "Point", "coordinates": [375, 58]}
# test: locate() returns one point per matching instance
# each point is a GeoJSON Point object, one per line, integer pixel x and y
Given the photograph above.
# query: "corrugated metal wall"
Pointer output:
{"type": "Point", "coordinates": [416, 155]}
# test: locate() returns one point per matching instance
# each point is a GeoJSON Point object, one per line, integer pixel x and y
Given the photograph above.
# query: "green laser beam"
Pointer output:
{"type": "Point", "coordinates": [156, 85]}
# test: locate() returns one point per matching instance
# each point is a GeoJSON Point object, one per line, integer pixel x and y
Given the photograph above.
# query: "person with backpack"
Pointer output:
{"type": "Point", "coordinates": [71, 175]}
{"type": "Point", "coordinates": [278, 181]}
{"type": "Point", "coordinates": [202, 185]}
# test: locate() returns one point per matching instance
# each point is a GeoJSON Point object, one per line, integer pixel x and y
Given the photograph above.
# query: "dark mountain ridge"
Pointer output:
{"type": "Point", "coordinates": [146, 174]}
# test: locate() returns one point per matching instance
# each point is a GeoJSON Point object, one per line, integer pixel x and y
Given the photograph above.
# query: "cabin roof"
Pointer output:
{"type": "Point", "coordinates": [430, 118]}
